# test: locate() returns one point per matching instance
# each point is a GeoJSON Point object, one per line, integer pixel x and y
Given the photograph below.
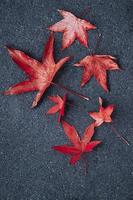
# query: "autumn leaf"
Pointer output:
{"type": "Point", "coordinates": [97, 66]}
{"type": "Point", "coordinates": [79, 146]}
{"type": "Point", "coordinates": [59, 107]}
{"type": "Point", "coordinates": [40, 74]}
{"type": "Point", "coordinates": [72, 28]}
{"type": "Point", "coordinates": [104, 114]}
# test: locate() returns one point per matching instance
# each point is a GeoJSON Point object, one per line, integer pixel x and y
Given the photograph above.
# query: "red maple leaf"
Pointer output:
{"type": "Point", "coordinates": [40, 74]}
{"type": "Point", "coordinates": [104, 114]}
{"type": "Point", "coordinates": [79, 146]}
{"type": "Point", "coordinates": [97, 66]}
{"type": "Point", "coordinates": [59, 107]}
{"type": "Point", "coordinates": [72, 28]}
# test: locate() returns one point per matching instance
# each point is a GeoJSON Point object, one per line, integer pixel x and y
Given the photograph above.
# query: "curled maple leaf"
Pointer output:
{"type": "Point", "coordinates": [59, 107]}
{"type": "Point", "coordinates": [79, 146]}
{"type": "Point", "coordinates": [104, 114]}
{"type": "Point", "coordinates": [72, 28]}
{"type": "Point", "coordinates": [97, 65]}
{"type": "Point", "coordinates": [40, 74]}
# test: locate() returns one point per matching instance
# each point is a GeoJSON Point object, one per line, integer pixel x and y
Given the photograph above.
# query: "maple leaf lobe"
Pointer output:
{"type": "Point", "coordinates": [72, 28]}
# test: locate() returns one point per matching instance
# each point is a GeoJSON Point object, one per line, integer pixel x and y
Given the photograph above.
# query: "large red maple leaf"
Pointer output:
{"type": "Point", "coordinates": [104, 114]}
{"type": "Point", "coordinates": [59, 107]}
{"type": "Point", "coordinates": [72, 28]}
{"type": "Point", "coordinates": [79, 146]}
{"type": "Point", "coordinates": [40, 74]}
{"type": "Point", "coordinates": [97, 66]}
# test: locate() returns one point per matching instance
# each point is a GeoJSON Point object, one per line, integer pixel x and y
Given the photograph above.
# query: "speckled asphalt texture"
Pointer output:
{"type": "Point", "coordinates": [29, 169]}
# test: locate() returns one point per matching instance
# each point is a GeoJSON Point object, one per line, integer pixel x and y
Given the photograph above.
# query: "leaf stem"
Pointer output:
{"type": "Point", "coordinates": [85, 165]}
{"type": "Point", "coordinates": [95, 46]}
{"type": "Point", "coordinates": [71, 91]}
{"type": "Point", "coordinates": [119, 135]}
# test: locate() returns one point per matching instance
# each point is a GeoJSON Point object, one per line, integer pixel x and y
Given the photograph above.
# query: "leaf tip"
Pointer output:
{"type": "Point", "coordinates": [9, 49]}
{"type": "Point", "coordinates": [100, 101]}
{"type": "Point", "coordinates": [59, 10]}
{"type": "Point", "coordinates": [106, 89]}
{"type": "Point", "coordinates": [78, 64]}
{"type": "Point", "coordinates": [86, 45]}
{"type": "Point", "coordinates": [82, 85]}
{"type": "Point", "coordinates": [7, 92]}
{"type": "Point", "coordinates": [34, 104]}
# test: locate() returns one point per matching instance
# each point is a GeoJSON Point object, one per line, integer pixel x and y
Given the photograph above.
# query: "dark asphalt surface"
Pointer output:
{"type": "Point", "coordinates": [29, 169]}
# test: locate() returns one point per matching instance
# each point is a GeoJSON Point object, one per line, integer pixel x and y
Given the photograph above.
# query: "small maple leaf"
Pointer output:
{"type": "Point", "coordinates": [59, 107]}
{"type": "Point", "coordinates": [40, 74]}
{"type": "Point", "coordinates": [79, 146]}
{"type": "Point", "coordinates": [72, 28]}
{"type": "Point", "coordinates": [97, 66]}
{"type": "Point", "coordinates": [104, 114]}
